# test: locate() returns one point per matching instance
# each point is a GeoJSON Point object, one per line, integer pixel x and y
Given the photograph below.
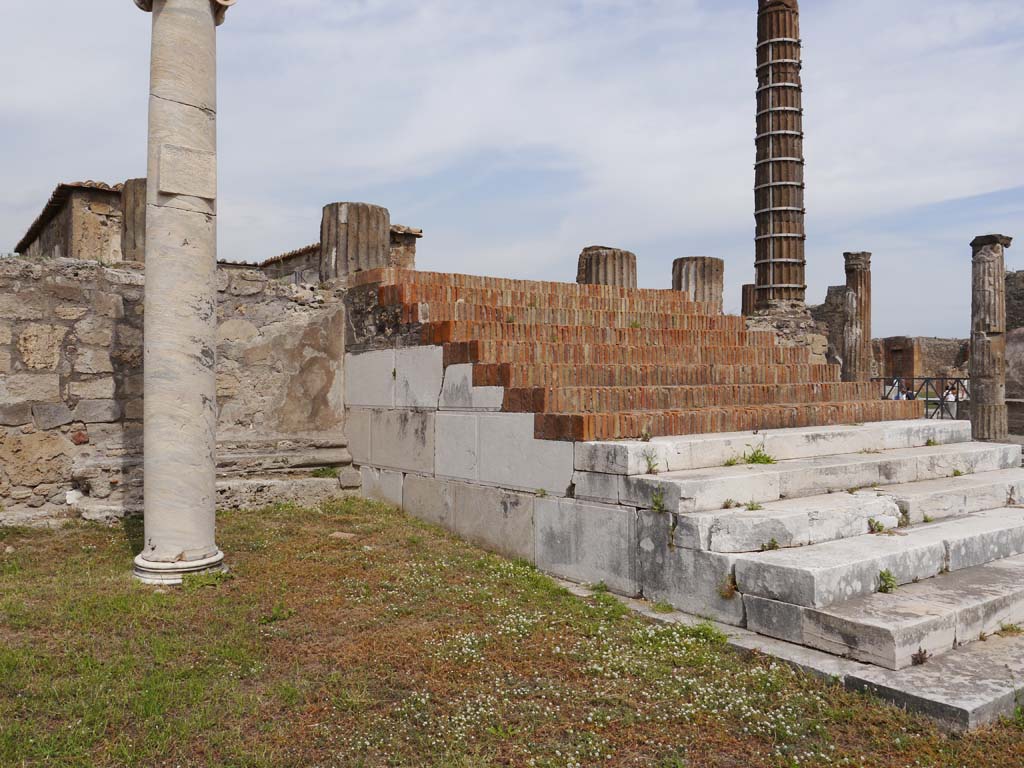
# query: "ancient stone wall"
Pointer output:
{"type": "Point", "coordinates": [98, 222]}
{"type": "Point", "coordinates": [921, 357]}
{"type": "Point", "coordinates": [80, 221]}
{"type": "Point", "coordinates": [796, 331]}
{"type": "Point", "coordinates": [832, 315]}
{"type": "Point", "coordinates": [71, 386]}
{"type": "Point", "coordinates": [1014, 300]}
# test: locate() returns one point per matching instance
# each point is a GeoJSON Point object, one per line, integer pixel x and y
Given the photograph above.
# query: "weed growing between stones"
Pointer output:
{"type": "Point", "coordinates": [771, 546]}
{"type": "Point", "coordinates": [651, 459]}
{"type": "Point", "coordinates": [658, 501]}
{"type": "Point", "coordinates": [730, 504]}
{"type": "Point", "coordinates": [931, 442]}
{"type": "Point", "coordinates": [758, 456]}
{"type": "Point", "coordinates": [887, 581]}
{"type": "Point", "coordinates": [728, 589]}
{"type": "Point", "coordinates": [753, 506]}
{"type": "Point", "coordinates": [874, 526]}
{"type": "Point", "coordinates": [662, 607]}
{"type": "Point", "coordinates": [325, 472]}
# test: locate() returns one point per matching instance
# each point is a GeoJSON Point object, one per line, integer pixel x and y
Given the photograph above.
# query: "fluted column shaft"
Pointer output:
{"type": "Point", "coordinates": [702, 278]}
{"type": "Point", "coordinates": [779, 169]}
{"type": "Point", "coordinates": [599, 265]}
{"type": "Point", "coordinates": [748, 299]}
{"type": "Point", "coordinates": [857, 351]}
{"type": "Point", "coordinates": [988, 338]}
{"type": "Point", "coordinates": [354, 237]}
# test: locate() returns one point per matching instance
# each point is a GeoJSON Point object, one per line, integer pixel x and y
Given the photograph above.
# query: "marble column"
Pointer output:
{"type": "Point", "coordinates": [599, 265]}
{"type": "Point", "coordinates": [988, 338]}
{"type": "Point", "coordinates": [857, 351]}
{"type": "Point", "coordinates": [180, 409]}
{"type": "Point", "coordinates": [702, 278]}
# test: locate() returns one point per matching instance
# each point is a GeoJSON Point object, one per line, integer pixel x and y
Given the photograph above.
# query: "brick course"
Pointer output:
{"type": "Point", "coordinates": [606, 362]}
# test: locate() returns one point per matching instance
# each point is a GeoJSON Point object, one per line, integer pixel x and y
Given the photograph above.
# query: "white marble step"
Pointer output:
{"type": "Point", "coordinates": [956, 496]}
{"type": "Point", "coordinates": [821, 575]}
{"type": "Point", "coordinates": [787, 523]}
{"type": "Point", "coordinates": [671, 454]}
{"type": "Point", "coordinates": [706, 490]}
{"type": "Point", "coordinates": [922, 620]}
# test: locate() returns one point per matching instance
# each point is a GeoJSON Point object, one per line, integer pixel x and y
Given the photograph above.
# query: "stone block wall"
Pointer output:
{"type": "Point", "coordinates": [82, 220]}
{"type": "Point", "coordinates": [71, 335]}
{"type": "Point", "coordinates": [832, 315]}
{"type": "Point", "coordinates": [70, 382]}
{"type": "Point", "coordinates": [921, 357]}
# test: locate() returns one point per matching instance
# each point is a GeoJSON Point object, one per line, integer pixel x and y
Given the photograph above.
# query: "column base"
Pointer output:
{"type": "Point", "coordinates": [171, 574]}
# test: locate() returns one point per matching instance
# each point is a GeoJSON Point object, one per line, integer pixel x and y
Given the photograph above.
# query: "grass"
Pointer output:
{"type": "Point", "coordinates": [325, 472]}
{"type": "Point", "coordinates": [399, 647]}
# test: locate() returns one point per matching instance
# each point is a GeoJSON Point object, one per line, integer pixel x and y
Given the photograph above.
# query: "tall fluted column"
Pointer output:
{"type": "Point", "coordinates": [354, 237]}
{"type": "Point", "coordinates": [700, 277]}
{"type": "Point", "coordinates": [988, 338]}
{"type": "Point", "coordinates": [857, 352]}
{"type": "Point", "coordinates": [779, 175]}
{"type": "Point", "coordinates": [180, 410]}
{"type": "Point", "coordinates": [599, 265]}
{"type": "Point", "coordinates": [748, 300]}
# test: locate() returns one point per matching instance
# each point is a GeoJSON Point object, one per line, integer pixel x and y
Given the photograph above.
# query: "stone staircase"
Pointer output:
{"type": "Point", "coordinates": [645, 442]}
{"type": "Point", "coordinates": [892, 553]}
{"type": "Point", "coordinates": [601, 362]}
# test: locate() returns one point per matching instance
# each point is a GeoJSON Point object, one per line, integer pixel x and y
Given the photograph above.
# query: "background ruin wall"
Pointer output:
{"type": "Point", "coordinates": [71, 387]}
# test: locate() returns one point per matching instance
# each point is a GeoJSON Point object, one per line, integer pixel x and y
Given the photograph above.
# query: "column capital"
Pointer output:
{"type": "Point", "coordinates": [220, 7]}
{"type": "Point", "coordinates": [859, 261]}
{"type": "Point", "coordinates": [983, 240]}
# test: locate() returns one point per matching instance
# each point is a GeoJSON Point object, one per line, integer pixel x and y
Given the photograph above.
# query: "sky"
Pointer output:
{"type": "Point", "coordinates": [515, 134]}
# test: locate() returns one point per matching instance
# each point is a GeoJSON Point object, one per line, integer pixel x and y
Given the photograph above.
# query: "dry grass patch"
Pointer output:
{"type": "Point", "coordinates": [395, 646]}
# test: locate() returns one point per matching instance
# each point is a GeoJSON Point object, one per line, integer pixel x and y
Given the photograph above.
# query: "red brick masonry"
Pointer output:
{"type": "Point", "coordinates": [602, 362]}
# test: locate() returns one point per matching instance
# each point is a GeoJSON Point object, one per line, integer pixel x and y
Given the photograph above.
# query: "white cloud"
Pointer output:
{"type": "Point", "coordinates": [641, 110]}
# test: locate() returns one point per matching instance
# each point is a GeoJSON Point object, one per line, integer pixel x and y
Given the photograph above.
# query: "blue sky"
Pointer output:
{"type": "Point", "coordinates": [515, 134]}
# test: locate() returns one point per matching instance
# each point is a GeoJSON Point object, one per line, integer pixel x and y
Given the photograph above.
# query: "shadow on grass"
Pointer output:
{"type": "Point", "coordinates": [134, 533]}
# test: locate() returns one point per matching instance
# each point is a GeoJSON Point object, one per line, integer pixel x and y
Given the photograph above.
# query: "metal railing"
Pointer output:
{"type": "Point", "coordinates": [944, 397]}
